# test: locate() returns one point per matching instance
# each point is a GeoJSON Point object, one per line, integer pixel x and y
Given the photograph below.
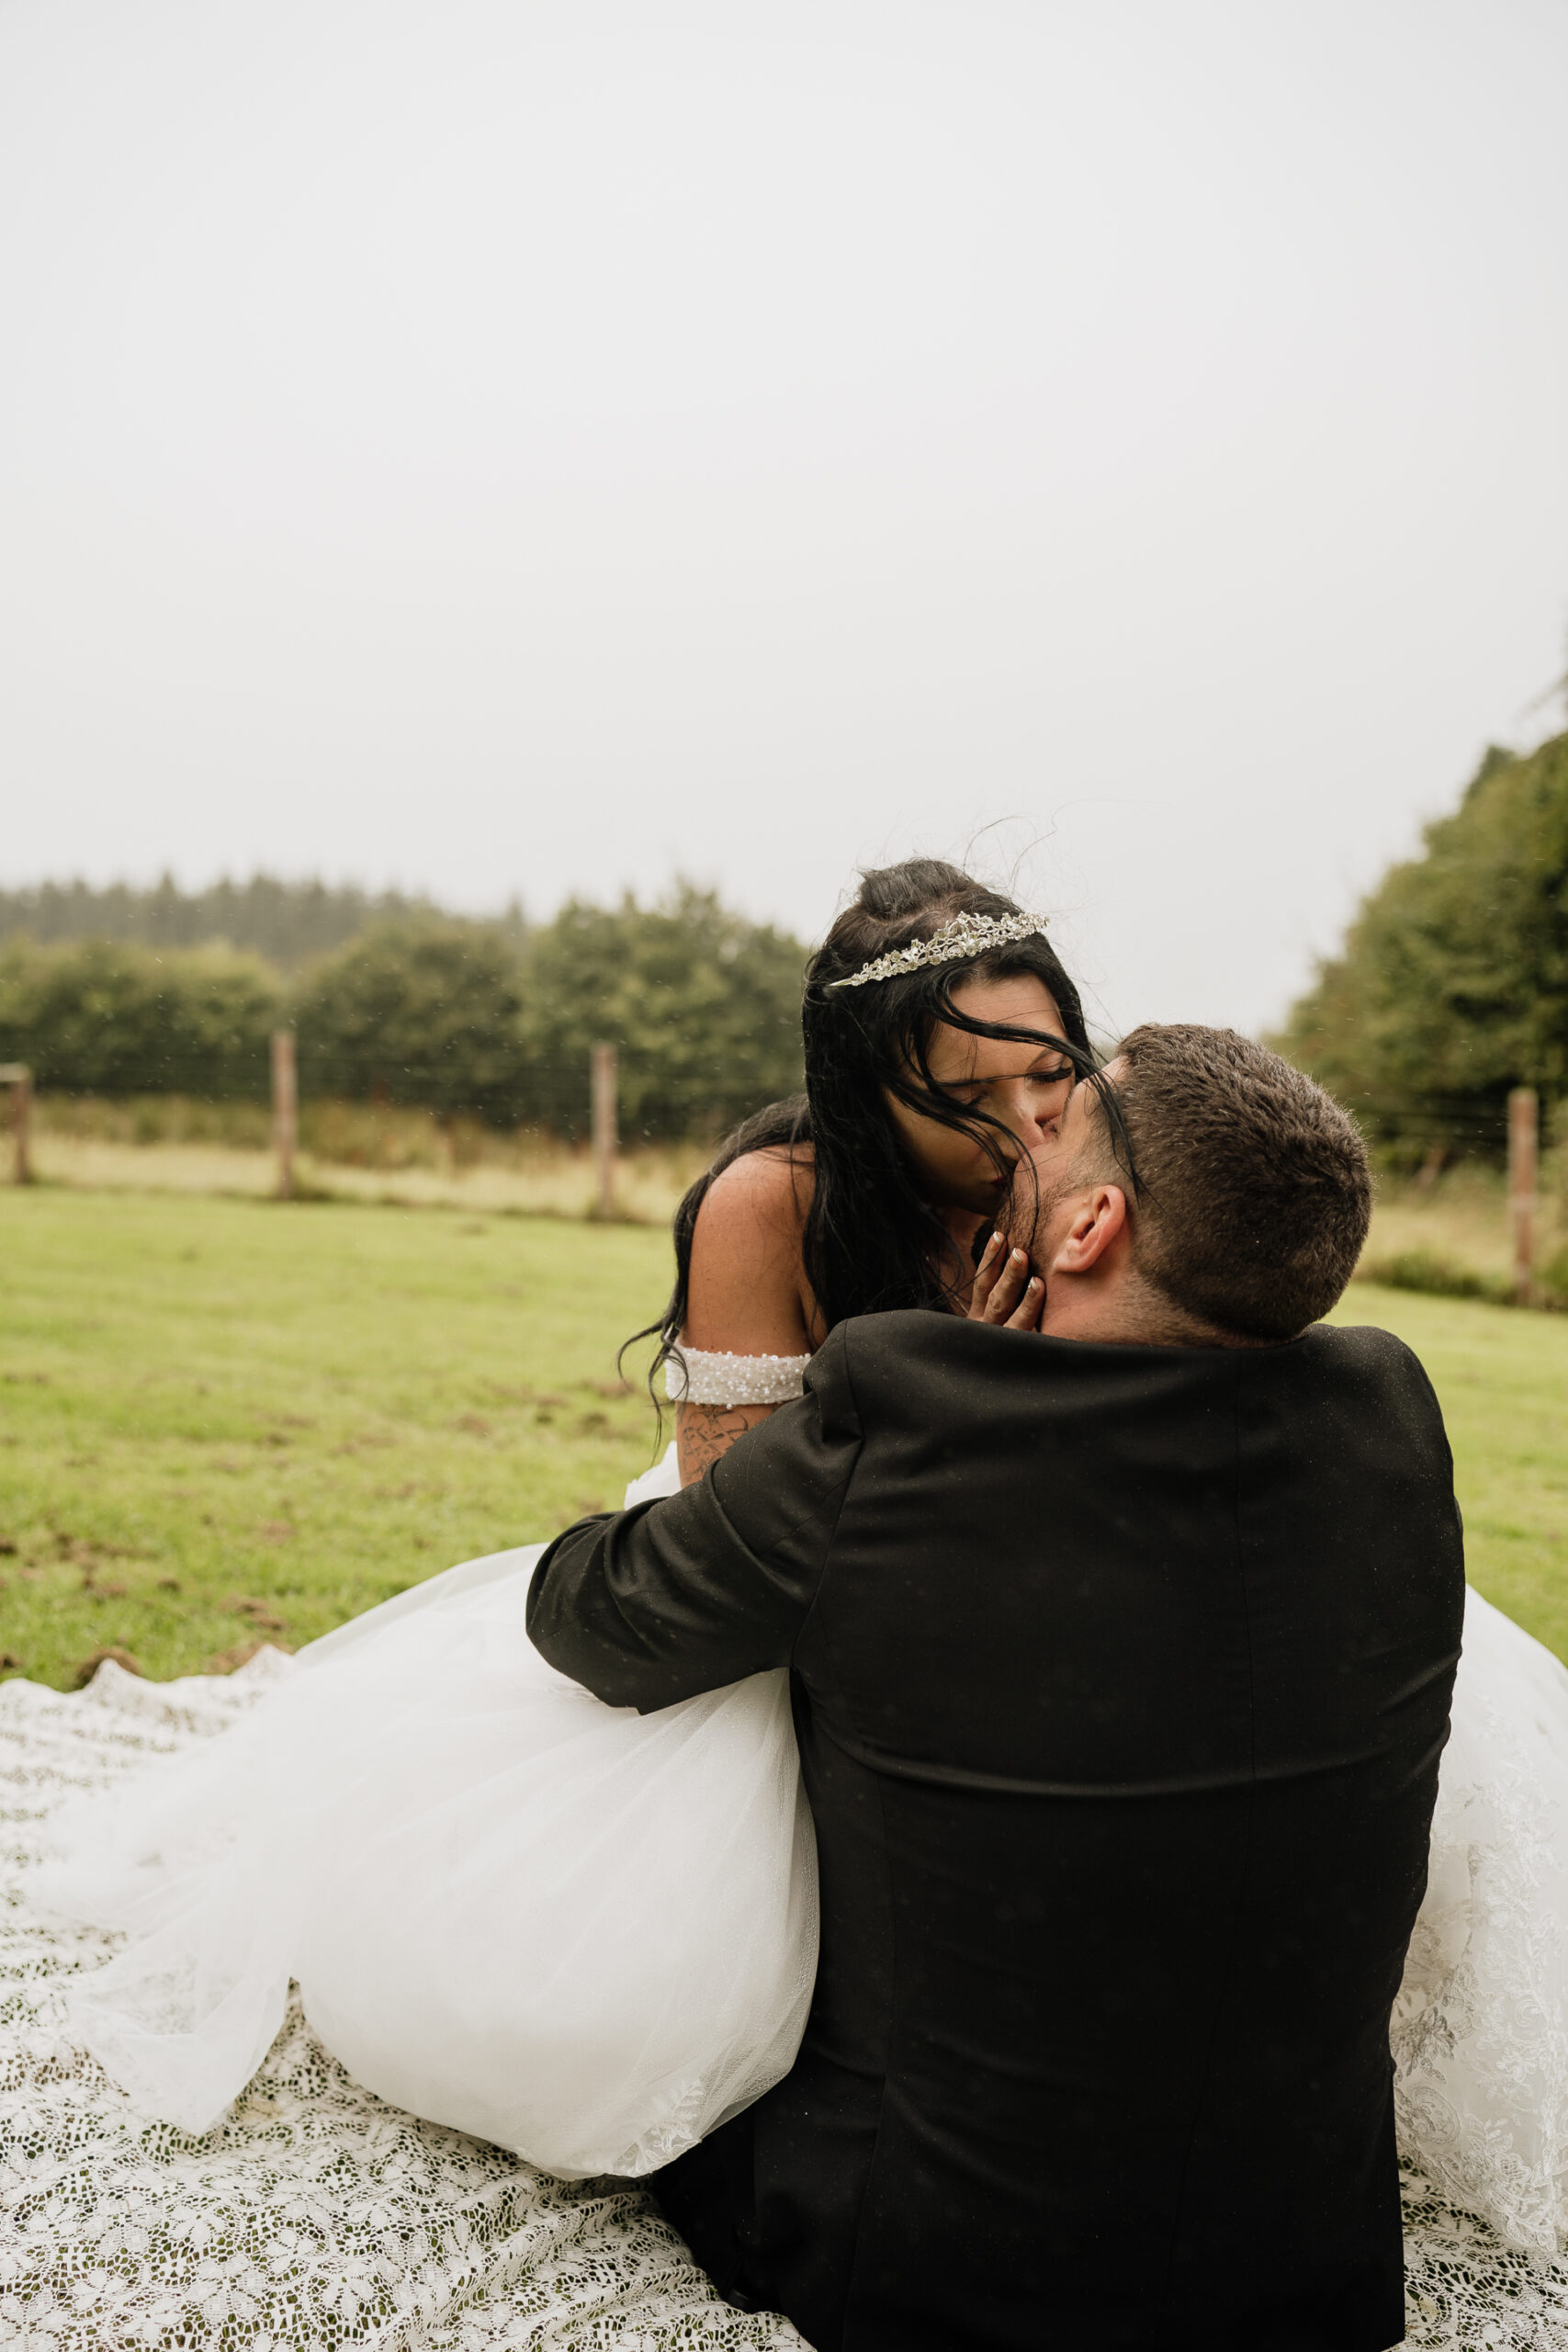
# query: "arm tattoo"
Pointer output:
{"type": "Point", "coordinates": [703, 1432]}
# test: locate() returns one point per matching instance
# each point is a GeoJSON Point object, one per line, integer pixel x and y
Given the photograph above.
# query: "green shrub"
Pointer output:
{"type": "Point", "coordinates": [701, 1006]}
{"type": "Point", "coordinates": [430, 1011]}
{"type": "Point", "coordinates": [426, 1012]}
{"type": "Point", "coordinates": [107, 1019]}
{"type": "Point", "coordinates": [1427, 1270]}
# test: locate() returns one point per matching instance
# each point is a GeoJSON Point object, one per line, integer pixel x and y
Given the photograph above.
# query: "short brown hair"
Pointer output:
{"type": "Point", "coordinates": [1250, 1191]}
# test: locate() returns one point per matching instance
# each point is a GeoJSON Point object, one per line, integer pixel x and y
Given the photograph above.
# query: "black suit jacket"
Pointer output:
{"type": "Point", "coordinates": [1121, 1678]}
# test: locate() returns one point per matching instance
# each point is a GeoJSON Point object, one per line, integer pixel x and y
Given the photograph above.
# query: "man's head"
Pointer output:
{"type": "Point", "coordinates": [1199, 1191]}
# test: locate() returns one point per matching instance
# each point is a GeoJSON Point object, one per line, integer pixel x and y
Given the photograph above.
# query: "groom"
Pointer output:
{"type": "Point", "coordinates": [1121, 1660]}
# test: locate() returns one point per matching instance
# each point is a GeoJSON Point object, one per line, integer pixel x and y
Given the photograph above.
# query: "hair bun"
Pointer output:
{"type": "Point", "coordinates": [896, 893]}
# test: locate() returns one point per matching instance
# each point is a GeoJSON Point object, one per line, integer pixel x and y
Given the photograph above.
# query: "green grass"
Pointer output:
{"type": "Point", "coordinates": [1503, 1379]}
{"type": "Point", "coordinates": [206, 1404]}
{"type": "Point", "coordinates": [223, 1419]}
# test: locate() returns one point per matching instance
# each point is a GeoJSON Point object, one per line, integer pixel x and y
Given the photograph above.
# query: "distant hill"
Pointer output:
{"type": "Point", "coordinates": [289, 923]}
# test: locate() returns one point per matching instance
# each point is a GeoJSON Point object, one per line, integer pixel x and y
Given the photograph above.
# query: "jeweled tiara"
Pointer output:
{"type": "Point", "coordinates": [965, 936]}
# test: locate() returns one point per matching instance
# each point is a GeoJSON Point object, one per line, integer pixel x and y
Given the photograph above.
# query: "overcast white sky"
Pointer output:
{"type": "Point", "coordinates": [495, 447]}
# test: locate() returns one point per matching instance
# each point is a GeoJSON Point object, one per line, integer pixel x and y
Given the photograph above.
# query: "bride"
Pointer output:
{"type": "Point", "coordinates": [589, 1936]}
{"type": "Point", "coordinates": [583, 1935]}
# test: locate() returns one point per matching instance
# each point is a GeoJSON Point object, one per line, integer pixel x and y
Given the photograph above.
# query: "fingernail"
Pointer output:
{"type": "Point", "coordinates": [1019, 1258]}
{"type": "Point", "coordinates": [1037, 1283]}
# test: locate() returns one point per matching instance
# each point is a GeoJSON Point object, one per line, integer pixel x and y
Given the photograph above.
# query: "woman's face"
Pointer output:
{"type": "Point", "coordinates": [1023, 1087]}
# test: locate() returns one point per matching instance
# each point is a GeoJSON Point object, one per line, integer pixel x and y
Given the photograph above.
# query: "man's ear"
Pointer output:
{"type": "Point", "coordinates": [1100, 1219]}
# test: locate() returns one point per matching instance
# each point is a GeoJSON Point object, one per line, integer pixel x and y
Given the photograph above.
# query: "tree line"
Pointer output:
{"type": "Point", "coordinates": [1451, 986]}
{"type": "Point", "coordinates": [286, 922]}
{"type": "Point", "coordinates": [416, 1007]}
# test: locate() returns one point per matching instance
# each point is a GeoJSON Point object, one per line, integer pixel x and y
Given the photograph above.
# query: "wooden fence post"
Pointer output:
{"type": "Point", "coordinates": [1524, 1138]}
{"type": "Point", "coordinates": [285, 1110]}
{"type": "Point", "coordinates": [603, 1081]}
{"type": "Point", "coordinates": [20, 1078]}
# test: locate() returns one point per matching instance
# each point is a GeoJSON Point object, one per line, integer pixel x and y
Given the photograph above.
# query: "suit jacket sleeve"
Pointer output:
{"type": "Point", "coordinates": [700, 1588]}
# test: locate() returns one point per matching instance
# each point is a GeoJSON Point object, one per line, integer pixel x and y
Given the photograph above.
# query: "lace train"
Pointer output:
{"type": "Point", "coordinates": [313, 2215]}
{"type": "Point", "coordinates": [316, 2215]}
{"type": "Point", "coordinates": [1480, 2032]}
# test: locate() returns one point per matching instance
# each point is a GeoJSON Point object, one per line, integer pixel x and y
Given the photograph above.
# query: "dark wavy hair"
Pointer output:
{"type": "Point", "coordinates": [871, 1240]}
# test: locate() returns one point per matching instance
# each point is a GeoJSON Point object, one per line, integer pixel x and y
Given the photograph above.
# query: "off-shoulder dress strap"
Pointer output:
{"type": "Point", "coordinates": [716, 1376]}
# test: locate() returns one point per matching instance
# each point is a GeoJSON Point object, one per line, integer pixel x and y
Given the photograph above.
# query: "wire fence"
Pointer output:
{"type": "Point", "coordinates": [588, 1086]}
{"type": "Point", "coordinates": [681, 1090]}
{"type": "Point", "coordinates": [588, 1096]}
{"type": "Point", "coordinates": [1478, 1129]}
{"type": "Point", "coordinates": [676, 1094]}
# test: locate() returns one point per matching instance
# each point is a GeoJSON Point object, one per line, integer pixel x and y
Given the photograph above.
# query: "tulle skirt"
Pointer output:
{"type": "Point", "coordinates": [1480, 2029]}
{"type": "Point", "coordinates": [586, 1935]}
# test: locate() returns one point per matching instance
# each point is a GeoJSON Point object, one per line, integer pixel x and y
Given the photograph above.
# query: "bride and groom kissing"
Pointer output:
{"type": "Point", "coordinates": [1122, 1655]}
{"type": "Point", "coordinates": [963, 1841]}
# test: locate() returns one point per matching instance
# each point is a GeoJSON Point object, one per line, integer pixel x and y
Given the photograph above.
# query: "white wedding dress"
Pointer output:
{"type": "Point", "coordinates": [583, 1934]}
{"type": "Point", "coordinates": [585, 1937]}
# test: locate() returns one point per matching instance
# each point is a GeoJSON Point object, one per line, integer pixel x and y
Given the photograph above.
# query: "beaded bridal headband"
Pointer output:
{"type": "Point", "coordinates": [965, 936]}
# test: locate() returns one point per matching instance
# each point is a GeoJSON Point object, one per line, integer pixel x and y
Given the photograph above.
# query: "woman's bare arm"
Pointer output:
{"type": "Point", "coordinates": [705, 1431]}
{"type": "Point", "coordinates": [748, 1293]}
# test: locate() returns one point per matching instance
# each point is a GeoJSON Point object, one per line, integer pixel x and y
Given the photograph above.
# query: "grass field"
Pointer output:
{"type": "Point", "coordinates": [224, 1420]}
{"type": "Point", "coordinates": [221, 1420]}
{"type": "Point", "coordinates": [1503, 1379]}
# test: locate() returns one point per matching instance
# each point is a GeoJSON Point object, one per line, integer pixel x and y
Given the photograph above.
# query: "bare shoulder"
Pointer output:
{"type": "Point", "coordinates": [761, 1191]}
{"type": "Point", "coordinates": [747, 1292]}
